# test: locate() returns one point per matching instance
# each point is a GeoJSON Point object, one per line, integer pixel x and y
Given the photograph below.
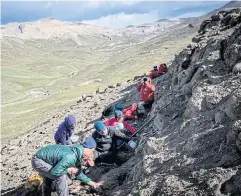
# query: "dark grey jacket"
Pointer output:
{"type": "Point", "coordinates": [105, 142]}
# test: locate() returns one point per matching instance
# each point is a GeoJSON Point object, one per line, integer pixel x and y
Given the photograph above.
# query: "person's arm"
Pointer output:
{"type": "Point", "coordinates": [62, 136]}
{"type": "Point", "coordinates": [86, 180]}
{"type": "Point", "coordinates": [121, 135]}
{"type": "Point", "coordinates": [151, 87]}
{"type": "Point", "coordinates": [139, 87]}
{"type": "Point", "coordinates": [62, 167]}
{"type": "Point", "coordinates": [108, 122]}
{"type": "Point", "coordinates": [129, 127]}
{"type": "Point", "coordinates": [83, 178]}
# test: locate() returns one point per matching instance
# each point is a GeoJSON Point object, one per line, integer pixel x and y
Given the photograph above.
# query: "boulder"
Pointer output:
{"type": "Point", "coordinates": [216, 17]}
{"type": "Point", "coordinates": [237, 68]}
{"type": "Point", "coordinates": [203, 25]}
{"type": "Point", "coordinates": [84, 97]}
{"type": "Point", "coordinates": [111, 86]}
{"type": "Point", "coordinates": [226, 20]}
{"type": "Point", "coordinates": [190, 25]}
{"type": "Point", "coordinates": [234, 21]}
{"type": "Point", "coordinates": [196, 39]}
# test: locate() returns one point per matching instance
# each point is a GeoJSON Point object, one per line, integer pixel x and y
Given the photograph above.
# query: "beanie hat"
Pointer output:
{"type": "Point", "coordinates": [70, 121]}
{"type": "Point", "coordinates": [89, 143]}
{"type": "Point", "coordinates": [118, 114]}
{"type": "Point", "coordinates": [99, 126]}
{"type": "Point", "coordinates": [119, 106]}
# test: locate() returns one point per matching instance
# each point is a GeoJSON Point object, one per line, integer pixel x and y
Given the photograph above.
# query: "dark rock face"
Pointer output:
{"type": "Point", "coordinates": [221, 21]}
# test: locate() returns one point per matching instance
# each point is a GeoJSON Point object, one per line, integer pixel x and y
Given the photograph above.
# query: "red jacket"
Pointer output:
{"type": "Point", "coordinates": [160, 69]}
{"type": "Point", "coordinates": [147, 91]}
{"type": "Point", "coordinates": [153, 73]}
{"type": "Point", "coordinates": [111, 122]}
{"type": "Point", "coordinates": [130, 112]}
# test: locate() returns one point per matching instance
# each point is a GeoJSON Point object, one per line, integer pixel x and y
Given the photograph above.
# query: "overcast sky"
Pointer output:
{"type": "Point", "coordinates": [104, 13]}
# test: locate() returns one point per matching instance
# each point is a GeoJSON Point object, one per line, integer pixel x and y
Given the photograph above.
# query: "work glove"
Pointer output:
{"type": "Point", "coordinates": [132, 144]}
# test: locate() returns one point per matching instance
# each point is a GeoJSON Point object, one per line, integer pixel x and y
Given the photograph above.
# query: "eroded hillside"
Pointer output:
{"type": "Point", "coordinates": [49, 64]}
{"type": "Point", "coordinates": [190, 148]}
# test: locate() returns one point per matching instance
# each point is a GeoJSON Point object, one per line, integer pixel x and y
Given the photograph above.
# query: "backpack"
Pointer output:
{"type": "Point", "coordinates": [108, 111]}
{"type": "Point", "coordinates": [140, 110]}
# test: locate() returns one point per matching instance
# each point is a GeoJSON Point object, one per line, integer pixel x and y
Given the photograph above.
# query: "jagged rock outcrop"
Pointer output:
{"type": "Point", "coordinates": [198, 113]}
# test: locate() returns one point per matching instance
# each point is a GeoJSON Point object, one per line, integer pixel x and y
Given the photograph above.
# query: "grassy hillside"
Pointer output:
{"type": "Point", "coordinates": [41, 77]}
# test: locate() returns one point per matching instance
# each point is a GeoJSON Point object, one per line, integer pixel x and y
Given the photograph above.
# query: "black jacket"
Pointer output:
{"type": "Point", "coordinates": [105, 142]}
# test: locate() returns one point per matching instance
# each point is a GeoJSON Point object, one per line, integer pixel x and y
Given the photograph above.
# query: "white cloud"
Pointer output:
{"type": "Point", "coordinates": [95, 4]}
{"type": "Point", "coordinates": [122, 20]}
{"type": "Point", "coordinates": [48, 4]}
{"type": "Point", "coordinates": [191, 14]}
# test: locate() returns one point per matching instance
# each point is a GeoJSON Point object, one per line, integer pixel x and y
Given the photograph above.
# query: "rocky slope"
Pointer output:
{"type": "Point", "coordinates": [190, 149]}
{"type": "Point", "coordinates": [198, 112]}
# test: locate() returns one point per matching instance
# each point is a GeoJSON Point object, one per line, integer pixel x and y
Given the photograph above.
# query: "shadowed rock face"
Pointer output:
{"type": "Point", "coordinates": [192, 148]}
{"type": "Point", "coordinates": [198, 108]}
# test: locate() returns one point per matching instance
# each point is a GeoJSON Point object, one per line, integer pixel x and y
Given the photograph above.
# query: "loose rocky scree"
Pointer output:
{"type": "Point", "coordinates": [198, 119]}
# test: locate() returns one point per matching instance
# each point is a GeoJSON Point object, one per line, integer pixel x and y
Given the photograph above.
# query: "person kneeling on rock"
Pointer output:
{"type": "Point", "coordinates": [65, 131]}
{"type": "Point", "coordinates": [54, 162]}
{"type": "Point", "coordinates": [106, 139]}
{"type": "Point", "coordinates": [134, 112]}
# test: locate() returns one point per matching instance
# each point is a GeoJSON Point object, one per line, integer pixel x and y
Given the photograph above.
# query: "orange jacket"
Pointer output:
{"type": "Point", "coordinates": [147, 91]}
{"type": "Point", "coordinates": [130, 112]}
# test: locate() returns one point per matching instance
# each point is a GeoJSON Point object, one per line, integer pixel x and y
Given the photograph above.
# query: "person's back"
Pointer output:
{"type": "Point", "coordinates": [52, 154]}
{"type": "Point", "coordinates": [131, 112]}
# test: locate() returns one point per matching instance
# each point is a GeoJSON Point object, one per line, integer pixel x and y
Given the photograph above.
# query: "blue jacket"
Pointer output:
{"type": "Point", "coordinates": [65, 130]}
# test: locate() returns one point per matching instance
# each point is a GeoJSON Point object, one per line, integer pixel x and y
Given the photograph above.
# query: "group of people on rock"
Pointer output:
{"type": "Point", "coordinates": [56, 162]}
{"type": "Point", "coordinates": [158, 71]}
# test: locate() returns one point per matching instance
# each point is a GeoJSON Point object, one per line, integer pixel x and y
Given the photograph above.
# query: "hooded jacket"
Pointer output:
{"type": "Point", "coordinates": [147, 91]}
{"type": "Point", "coordinates": [63, 157]}
{"type": "Point", "coordinates": [65, 130]}
{"type": "Point", "coordinates": [130, 112]}
{"type": "Point", "coordinates": [105, 142]}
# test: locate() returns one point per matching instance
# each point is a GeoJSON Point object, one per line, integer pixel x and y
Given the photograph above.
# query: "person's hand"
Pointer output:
{"type": "Point", "coordinates": [95, 185]}
{"type": "Point", "coordinates": [136, 117]}
{"type": "Point", "coordinates": [72, 170]}
{"type": "Point", "coordinates": [98, 184]}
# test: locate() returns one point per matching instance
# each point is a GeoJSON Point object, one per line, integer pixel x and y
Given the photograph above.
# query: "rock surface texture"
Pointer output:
{"type": "Point", "coordinates": [192, 149]}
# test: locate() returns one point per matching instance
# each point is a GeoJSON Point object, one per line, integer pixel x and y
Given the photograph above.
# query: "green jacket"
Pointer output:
{"type": "Point", "coordinates": [62, 157]}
